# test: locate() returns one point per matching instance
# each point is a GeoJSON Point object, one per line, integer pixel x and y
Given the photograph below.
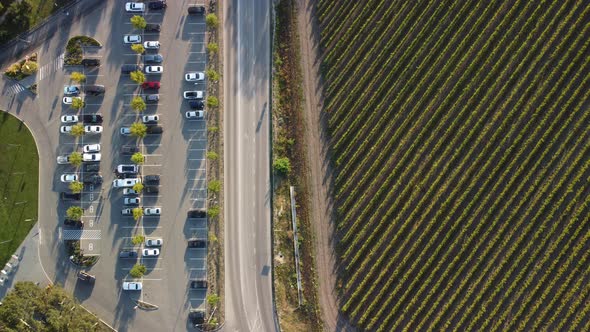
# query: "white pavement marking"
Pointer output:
{"type": "Point", "coordinates": [51, 67]}
{"type": "Point", "coordinates": [14, 89]}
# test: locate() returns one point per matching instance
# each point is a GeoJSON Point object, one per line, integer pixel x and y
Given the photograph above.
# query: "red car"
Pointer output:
{"type": "Point", "coordinates": [150, 85]}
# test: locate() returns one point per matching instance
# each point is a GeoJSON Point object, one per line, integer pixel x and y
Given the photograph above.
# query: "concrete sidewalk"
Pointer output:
{"type": "Point", "coordinates": [29, 267]}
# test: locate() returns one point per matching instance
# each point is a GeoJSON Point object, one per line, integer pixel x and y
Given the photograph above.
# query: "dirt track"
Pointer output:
{"type": "Point", "coordinates": [320, 173]}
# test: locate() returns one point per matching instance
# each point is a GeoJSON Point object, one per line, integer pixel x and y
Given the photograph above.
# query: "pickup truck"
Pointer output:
{"type": "Point", "coordinates": [197, 243]}
{"type": "Point", "coordinates": [199, 284]}
{"type": "Point", "coordinates": [86, 277]}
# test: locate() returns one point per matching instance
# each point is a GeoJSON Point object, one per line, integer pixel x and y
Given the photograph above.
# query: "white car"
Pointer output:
{"type": "Point", "coordinates": [69, 100]}
{"type": "Point", "coordinates": [195, 114]}
{"type": "Point", "coordinates": [193, 95]}
{"type": "Point", "coordinates": [126, 183]}
{"type": "Point", "coordinates": [69, 178]}
{"type": "Point", "coordinates": [62, 160]}
{"type": "Point", "coordinates": [129, 191]}
{"type": "Point", "coordinates": [194, 76]}
{"type": "Point", "coordinates": [154, 69]}
{"type": "Point", "coordinates": [69, 119]}
{"type": "Point", "coordinates": [131, 200]}
{"type": "Point", "coordinates": [65, 129]}
{"type": "Point", "coordinates": [93, 129]}
{"type": "Point", "coordinates": [151, 45]}
{"type": "Point", "coordinates": [156, 242]}
{"type": "Point", "coordinates": [132, 285]}
{"type": "Point", "coordinates": [154, 211]}
{"type": "Point", "coordinates": [89, 148]}
{"type": "Point", "coordinates": [126, 131]}
{"type": "Point", "coordinates": [150, 252]}
{"type": "Point", "coordinates": [132, 39]}
{"type": "Point", "coordinates": [134, 7]}
{"type": "Point", "coordinates": [91, 157]}
{"type": "Point", "coordinates": [150, 119]}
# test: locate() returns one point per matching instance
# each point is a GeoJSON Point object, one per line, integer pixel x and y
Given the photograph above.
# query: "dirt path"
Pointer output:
{"type": "Point", "coordinates": [320, 173]}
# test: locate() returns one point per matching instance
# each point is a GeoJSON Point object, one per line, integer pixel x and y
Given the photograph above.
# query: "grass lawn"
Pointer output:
{"type": "Point", "coordinates": [19, 184]}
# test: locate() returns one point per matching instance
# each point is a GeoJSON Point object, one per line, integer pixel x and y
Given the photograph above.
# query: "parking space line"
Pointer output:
{"type": "Point", "coordinates": [197, 149]}
{"type": "Point", "coordinates": [152, 196]}
{"type": "Point", "coordinates": [195, 62]}
{"type": "Point", "coordinates": [196, 159]}
{"type": "Point", "coordinates": [198, 189]}
{"type": "Point", "coordinates": [152, 144]}
{"type": "Point", "coordinates": [152, 165]}
{"type": "Point", "coordinates": [197, 199]}
{"type": "Point", "coordinates": [198, 269]}
{"type": "Point", "coordinates": [152, 155]}
{"type": "Point", "coordinates": [197, 259]}
{"type": "Point", "coordinates": [151, 279]}
{"type": "Point", "coordinates": [128, 268]}
{"type": "Point", "coordinates": [133, 227]}
{"type": "Point", "coordinates": [197, 33]}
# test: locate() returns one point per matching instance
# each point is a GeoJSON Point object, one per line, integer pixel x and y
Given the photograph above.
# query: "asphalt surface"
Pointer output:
{"type": "Point", "coordinates": [248, 255]}
{"type": "Point", "coordinates": [178, 156]}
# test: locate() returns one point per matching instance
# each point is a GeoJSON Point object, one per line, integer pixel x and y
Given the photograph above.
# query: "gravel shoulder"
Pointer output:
{"type": "Point", "coordinates": [320, 172]}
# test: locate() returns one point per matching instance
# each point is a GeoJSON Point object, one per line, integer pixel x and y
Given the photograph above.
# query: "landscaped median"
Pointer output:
{"type": "Point", "coordinates": [19, 183]}
{"type": "Point", "coordinates": [23, 68]}
{"type": "Point", "coordinates": [74, 51]}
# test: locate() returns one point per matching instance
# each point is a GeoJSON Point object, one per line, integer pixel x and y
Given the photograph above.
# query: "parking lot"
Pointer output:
{"type": "Point", "coordinates": [177, 156]}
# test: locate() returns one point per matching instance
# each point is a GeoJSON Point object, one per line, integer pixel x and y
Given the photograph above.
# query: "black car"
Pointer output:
{"type": "Point", "coordinates": [196, 316]}
{"type": "Point", "coordinates": [95, 179]}
{"type": "Point", "coordinates": [197, 104]}
{"type": "Point", "coordinates": [92, 118]}
{"type": "Point", "coordinates": [197, 243]}
{"type": "Point", "coordinates": [157, 4]}
{"type": "Point", "coordinates": [154, 130]}
{"type": "Point", "coordinates": [70, 196]}
{"type": "Point", "coordinates": [196, 214]}
{"type": "Point", "coordinates": [199, 284]}
{"type": "Point", "coordinates": [196, 10]}
{"type": "Point", "coordinates": [126, 69]}
{"type": "Point", "coordinates": [151, 190]}
{"type": "Point", "coordinates": [152, 27]}
{"type": "Point", "coordinates": [155, 58]}
{"type": "Point", "coordinates": [127, 254]}
{"type": "Point", "coordinates": [74, 223]}
{"type": "Point", "coordinates": [91, 167]}
{"type": "Point", "coordinates": [91, 62]}
{"type": "Point", "coordinates": [94, 89]}
{"type": "Point", "coordinates": [151, 179]}
{"type": "Point", "coordinates": [129, 149]}
{"type": "Point", "coordinates": [86, 277]}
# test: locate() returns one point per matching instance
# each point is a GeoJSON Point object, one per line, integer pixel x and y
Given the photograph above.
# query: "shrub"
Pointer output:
{"type": "Point", "coordinates": [213, 299]}
{"type": "Point", "coordinates": [214, 186]}
{"type": "Point", "coordinates": [212, 21]}
{"type": "Point", "coordinates": [77, 130]}
{"type": "Point", "coordinates": [213, 129]}
{"type": "Point", "coordinates": [138, 104]}
{"type": "Point", "coordinates": [137, 213]}
{"type": "Point", "coordinates": [138, 187]}
{"type": "Point", "coordinates": [212, 75]}
{"type": "Point", "coordinates": [75, 212]}
{"type": "Point", "coordinates": [138, 270]}
{"type": "Point", "coordinates": [138, 48]}
{"type": "Point", "coordinates": [75, 159]}
{"type": "Point", "coordinates": [137, 239]}
{"type": "Point", "coordinates": [138, 22]}
{"type": "Point", "coordinates": [138, 129]}
{"type": "Point", "coordinates": [137, 76]}
{"type": "Point", "coordinates": [77, 103]}
{"type": "Point", "coordinates": [76, 187]}
{"type": "Point", "coordinates": [282, 165]}
{"type": "Point", "coordinates": [138, 158]}
{"type": "Point", "coordinates": [212, 101]}
{"type": "Point", "coordinates": [212, 48]}
{"type": "Point", "coordinates": [213, 211]}
{"type": "Point", "coordinates": [29, 67]}
{"type": "Point", "coordinates": [78, 77]}
{"type": "Point", "coordinates": [212, 155]}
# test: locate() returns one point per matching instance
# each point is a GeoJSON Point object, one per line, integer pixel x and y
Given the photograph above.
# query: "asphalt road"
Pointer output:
{"type": "Point", "coordinates": [248, 256]}
{"type": "Point", "coordinates": [177, 155]}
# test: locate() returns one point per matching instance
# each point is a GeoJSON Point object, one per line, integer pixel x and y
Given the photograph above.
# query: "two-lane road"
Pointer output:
{"type": "Point", "coordinates": [248, 255]}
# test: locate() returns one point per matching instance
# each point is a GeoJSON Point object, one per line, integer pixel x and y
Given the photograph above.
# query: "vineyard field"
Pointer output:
{"type": "Point", "coordinates": [460, 142]}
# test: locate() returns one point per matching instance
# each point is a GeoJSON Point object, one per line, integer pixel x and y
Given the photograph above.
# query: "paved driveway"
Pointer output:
{"type": "Point", "coordinates": [177, 155]}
